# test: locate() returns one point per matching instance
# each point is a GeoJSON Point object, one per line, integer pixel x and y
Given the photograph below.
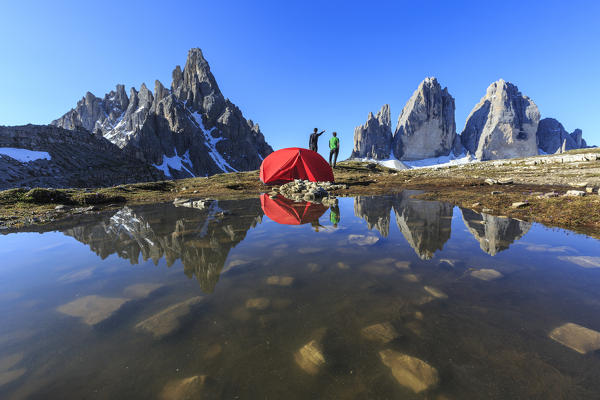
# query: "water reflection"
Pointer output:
{"type": "Point", "coordinates": [200, 238]}
{"type": "Point", "coordinates": [289, 212]}
{"type": "Point", "coordinates": [494, 234]}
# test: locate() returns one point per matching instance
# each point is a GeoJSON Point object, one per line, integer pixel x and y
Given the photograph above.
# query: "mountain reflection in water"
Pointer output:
{"type": "Point", "coordinates": [200, 238]}
{"type": "Point", "coordinates": [203, 238]}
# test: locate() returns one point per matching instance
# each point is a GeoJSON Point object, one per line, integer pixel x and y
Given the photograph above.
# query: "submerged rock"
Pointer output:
{"type": "Point", "coordinates": [92, 309]}
{"type": "Point", "coordinates": [579, 338]}
{"type": "Point", "coordinates": [280, 280]}
{"type": "Point", "coordinates": [310, 357]}
{"type": "Point", "coordinates": [140, 290]}
{"type": "Point", "coordinates": [258, 303]}
{"type": "Point", "coordinates": [409, 371]}
{"type": "Point", "coordinates": [582, 261]}
{"type": "Point", "coordinates": [486, 274]}
{"type": "Point", "coordinates": [435, 292]}
{"type": "Point", "coordinates": [383, 332]}
{"type": "Point", "coordinates": [184, 389]}
{"type": "Point", "coordinates": [167, 321]}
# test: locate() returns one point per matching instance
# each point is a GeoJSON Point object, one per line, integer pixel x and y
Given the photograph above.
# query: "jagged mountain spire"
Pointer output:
{"type": "Point", "coordinates": [374, 138]}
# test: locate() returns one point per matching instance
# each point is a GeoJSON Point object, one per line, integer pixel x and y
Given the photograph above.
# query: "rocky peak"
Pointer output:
{"type": "Point", "coordinates": [199, 87]}
{"type": "Point", "coordinates": [552, 136]}
{"type": "Point", "coordinates": [159, 91]}
{"type": "Point", "coordinates": [374, 138]}
{"type": "Point", "coordinates": [502, 125]}
{"type": "Point", "coordinates": [426, 127]}
{"type": "Point", "coordinates": [576, 135]}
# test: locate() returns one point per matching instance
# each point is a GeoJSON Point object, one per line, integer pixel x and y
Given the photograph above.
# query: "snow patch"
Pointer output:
{"type": "Point", "coordinates": [436, 162]}
{"type": "Point", "coordinates": [24, 155]}
{"type": "Point", "coordinates": [175, 163]}
{"type": "Point", "coordinates": [211, 142]}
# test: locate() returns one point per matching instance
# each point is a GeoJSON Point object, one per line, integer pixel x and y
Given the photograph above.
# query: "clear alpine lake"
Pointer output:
{"type": "Point", "coordinates": [384, 297]}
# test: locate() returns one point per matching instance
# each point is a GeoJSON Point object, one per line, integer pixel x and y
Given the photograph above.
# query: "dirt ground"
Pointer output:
{"type": "Point", "coordinates": [521, 180]}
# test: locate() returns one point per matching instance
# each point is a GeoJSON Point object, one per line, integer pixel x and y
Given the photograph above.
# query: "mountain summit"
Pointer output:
{"type": "Point", "coordinates": [188, 130]}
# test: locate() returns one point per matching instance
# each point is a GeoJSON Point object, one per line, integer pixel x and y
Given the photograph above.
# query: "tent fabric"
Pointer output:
{"type": "Point", "coordinates": [287, 212]}
{"type": "Point", "coordinates": [285, 165]}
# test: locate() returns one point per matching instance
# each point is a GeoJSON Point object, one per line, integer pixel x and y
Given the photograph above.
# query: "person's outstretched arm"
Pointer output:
{"type": "Point", "coordinates": [322, 132]}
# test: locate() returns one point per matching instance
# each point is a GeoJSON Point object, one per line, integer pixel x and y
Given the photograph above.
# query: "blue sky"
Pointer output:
{"type": "Point", "coordinates": [293, 66]}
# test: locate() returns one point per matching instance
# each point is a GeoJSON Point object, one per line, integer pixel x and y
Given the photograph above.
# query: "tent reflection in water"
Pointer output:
{"type": "Point", "coordinates": [287, 212]}
{"type": "Point", "coordinates": [285, 165]}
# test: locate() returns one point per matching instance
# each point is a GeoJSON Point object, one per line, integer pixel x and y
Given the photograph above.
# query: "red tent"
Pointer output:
{"type": "Point", "coordinates": [287, 212]}
{"type": "Point", "coordinates": [285, 165]}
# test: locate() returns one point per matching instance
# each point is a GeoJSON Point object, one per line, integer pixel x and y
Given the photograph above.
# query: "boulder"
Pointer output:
{"type": "Point", "coordinates": [310, 357]}
{"type": "Point", "coordinates": [502, 125]}
{"type": "Point", "coordinates": [426, 126]}
{"type": "Point", "coordinates": [168, 320]}
{"type": "Point", "coordinates": [374, 138]}
{"type": "Point", "coordinates": [383, 332]}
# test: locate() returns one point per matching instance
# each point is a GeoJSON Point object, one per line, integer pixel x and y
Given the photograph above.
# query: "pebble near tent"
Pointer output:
{"type": "Point", "coordinates": [285, 165]}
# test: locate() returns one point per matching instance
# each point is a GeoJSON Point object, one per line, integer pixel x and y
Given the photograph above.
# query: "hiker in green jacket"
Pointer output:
{"type": "Point", "coordinates": [334, 149]}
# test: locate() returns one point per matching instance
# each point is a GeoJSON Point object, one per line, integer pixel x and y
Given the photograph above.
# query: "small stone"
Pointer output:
{"type": "Point", "coordinates": [486, 210]}
{"type": "Point", "coordinates": [590, 189]}
{"type": "Point", "coordinates": [579, 338]}
{"type": "Point", "coordinates": [580, 184]}
{"type": "Point", "coordinates": [258, 303]}
{"type": "Point", "coordinates": [486, 274]}
{"type": "Point", "coordinates": [435, 292]}
{"type": "Point", "coordinates": [494, 192]}
{"type": "Point", "coordinates": [577, 193]}
{"type": "Point", "coordinates": [505, 181]}
{"type": "Point", "coordinates": [520, 204]}
{"type": "Point", "coordinates": [409, 371]}
{"type": "Point", "coordinates": [475, 205]}
{"type": "Point", "coordinates": [491, 181]}
{"type": "Point", "coordinates": [61, 207]}
{"type": "Point", "coordinates": [383, 333]}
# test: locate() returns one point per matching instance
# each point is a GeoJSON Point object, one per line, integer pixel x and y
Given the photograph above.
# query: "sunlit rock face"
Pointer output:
{"type": "Point", "coordinates": [373, 140]}
{"type": "Point", "coordinates": [426, 126]}
{"type": "Point", "coordinates": [201, 239]}
{"type": "Point", "coordinates": [502, 125]}
{"type": "Point", "coordinates": [494, 234]}
{"type": "Point", "coordinates": [426, 225]}
{"type": "Point", "coordinates": [188, 130]}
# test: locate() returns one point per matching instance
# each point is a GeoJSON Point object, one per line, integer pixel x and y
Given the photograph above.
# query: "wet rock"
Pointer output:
{"type": "Point", "coordinates": [486, 274]}
{"type": "Point", "coordinates": [140, 290]}
{"type": "Point", "coordinates": [310, 357]}
{"type": "Point", "coordinates": [258, 303]}
{"type": "Point", "coordinates": [579, 338]}
{"type": "Point", "coordinates": [92, 309]}
{"type": "Point", "coordinates": [383, 332]}
{"type": "Point", "coordinates": [167, 321]}
{"type": "Point", "coordinates": [409, 371]}
{"type": "Point", "coordinates": [280, 280]}
{"type": "Point", "coordinates": [184, 389]}
{"type": "Point", "coordinates": [582, 261]}
{"type": "Point", "coordinates": [362, 240]}
{"type": "Point", "coordinates": [435, 292]}
{"type": "Point", "coordinates": [576, 193]}
{"type": "Point", "coordinates": [411, 278]}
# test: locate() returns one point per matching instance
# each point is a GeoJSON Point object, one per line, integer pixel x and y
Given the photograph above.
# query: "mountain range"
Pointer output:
{"type": "Point", "coordinates": [504, 124]}
{"type": "Point", "coordinates": [187, 130]}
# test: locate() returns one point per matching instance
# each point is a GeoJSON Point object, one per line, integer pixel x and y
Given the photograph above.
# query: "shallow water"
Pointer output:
{"type": "Point", "coordinates": [393, 298]}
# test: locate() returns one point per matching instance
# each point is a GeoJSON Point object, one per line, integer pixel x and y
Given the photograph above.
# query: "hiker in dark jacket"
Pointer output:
{"type": "Point", "coordinates": [314, 138]}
